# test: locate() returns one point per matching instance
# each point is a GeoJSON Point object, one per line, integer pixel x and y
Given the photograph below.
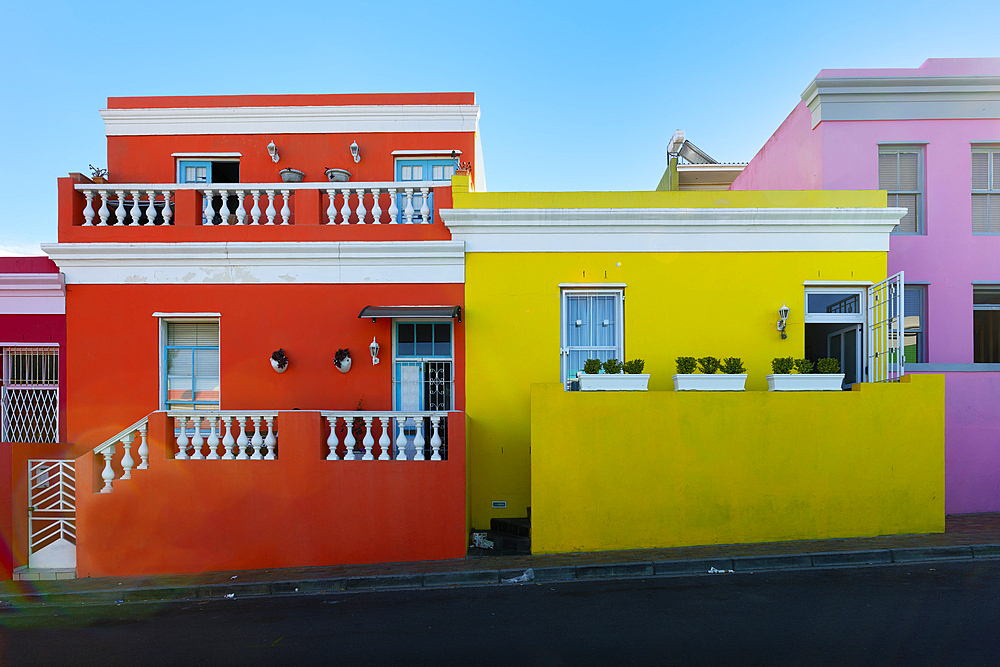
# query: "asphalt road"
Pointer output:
{"type": "Point", "coordinates": [912, 614]}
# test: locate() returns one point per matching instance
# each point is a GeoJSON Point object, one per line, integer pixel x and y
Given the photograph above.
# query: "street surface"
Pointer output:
{"type": "Point", "coordinates": [912, 614]}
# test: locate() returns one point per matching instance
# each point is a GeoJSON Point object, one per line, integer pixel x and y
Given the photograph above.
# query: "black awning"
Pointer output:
{"type": "Point", "coordinates": [425, 312]}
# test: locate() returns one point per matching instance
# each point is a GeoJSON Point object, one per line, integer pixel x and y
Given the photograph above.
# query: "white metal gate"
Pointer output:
{"type": "Point", "coordinates": [884, 342]}
{"type": "Point", "coordinates": [51, 513]}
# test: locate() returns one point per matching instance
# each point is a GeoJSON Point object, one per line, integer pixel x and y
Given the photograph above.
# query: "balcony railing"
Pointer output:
{"type": "Point", "coordinates": [144, 205]}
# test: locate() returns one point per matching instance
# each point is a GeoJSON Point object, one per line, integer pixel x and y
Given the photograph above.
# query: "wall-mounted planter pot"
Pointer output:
{"type": "Point", "coordinates": [614, 382]}
{"type": "Point", "coordinates": [277, 368]}
{"type": "Point", "coordinates": [807, 382]}
{"type": "Point", "coordinates": [338, 175]}
{"type": "Point", "coordinates": [344, 365]}
{"type": "Point", "coordinates": [291, 175]}
{"type": "Point", "coordinates": [715, 382]}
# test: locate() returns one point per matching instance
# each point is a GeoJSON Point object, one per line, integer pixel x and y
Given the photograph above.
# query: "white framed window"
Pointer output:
{"type": "Point", "coordinates": [591, 326]}
{"type": "Point", "coordinates": [986, 324]}
{"type": "Point", "coordinates": [29, 394]}
{"type": "Point", "coordinates": [901, 173]}
{"type": "Point", "coordinates": [189, 366]}
{"type": "Point", "coordinates": [986, 190]}
{"type": "Point", "coordinates": [835, 304]}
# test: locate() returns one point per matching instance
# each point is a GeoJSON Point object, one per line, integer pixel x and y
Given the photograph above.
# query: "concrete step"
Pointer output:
{"type": "Point", "coordinates": [25, 573]}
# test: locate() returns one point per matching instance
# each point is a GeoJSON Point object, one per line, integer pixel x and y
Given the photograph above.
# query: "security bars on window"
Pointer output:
{"type": "Point", "coordinates": [30, 395]}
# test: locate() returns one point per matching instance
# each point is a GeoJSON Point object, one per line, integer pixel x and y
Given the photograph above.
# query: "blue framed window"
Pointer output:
{"type": "Point", "coordinates": [423, 370]}
{"type": "Point", "coordinates": [191, 363]}
{"type": "Point", "coordinates": [194, 171]}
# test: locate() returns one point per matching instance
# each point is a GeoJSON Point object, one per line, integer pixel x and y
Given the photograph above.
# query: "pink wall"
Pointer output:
{"type": "Point", "coordinates": [792, 159]}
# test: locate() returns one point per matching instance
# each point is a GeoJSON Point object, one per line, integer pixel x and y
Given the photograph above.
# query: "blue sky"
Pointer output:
{"type": "Point", "coordinates": [574, 95]}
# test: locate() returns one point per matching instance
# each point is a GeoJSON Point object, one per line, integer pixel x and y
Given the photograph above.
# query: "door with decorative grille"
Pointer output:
{"type": "Point", "coordinates": [51, 513]}
{"type": "Point", "coordinates": [29, 395]}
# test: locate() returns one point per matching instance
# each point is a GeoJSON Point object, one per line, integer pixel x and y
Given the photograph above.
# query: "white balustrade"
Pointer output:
{"type": "Point", "coordinates": [244, 435]}
{"type": "Point", "coordinates": [125, 439]}
{"type": "Point", "coordinates": [399, 431]}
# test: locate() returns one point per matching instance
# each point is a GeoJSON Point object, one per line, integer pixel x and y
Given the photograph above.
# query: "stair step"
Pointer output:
{"type": "Point", "coordinates": [512, 544]}
{"type": "Point", "coordinates": [520, 527]}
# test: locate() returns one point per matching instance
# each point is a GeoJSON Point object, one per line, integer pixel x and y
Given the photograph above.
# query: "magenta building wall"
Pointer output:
{"type": "Point", "coordinates": [947, 258]}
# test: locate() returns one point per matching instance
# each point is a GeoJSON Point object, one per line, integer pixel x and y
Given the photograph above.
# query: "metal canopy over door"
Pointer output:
{"type": "Point", "coordinates": [51, 514]}
{"type": "Point", "coordinates": [884, 339]}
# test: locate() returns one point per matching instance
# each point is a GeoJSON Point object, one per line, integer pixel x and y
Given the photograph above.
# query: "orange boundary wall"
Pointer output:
{"type": "Point", "coordinates": [299, 510]}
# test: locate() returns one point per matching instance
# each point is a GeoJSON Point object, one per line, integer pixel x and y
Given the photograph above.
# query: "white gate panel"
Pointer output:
{"type": "Point", "coordinates": [884, 342]}
{"type": "Point", "coordinates": [51, 513]}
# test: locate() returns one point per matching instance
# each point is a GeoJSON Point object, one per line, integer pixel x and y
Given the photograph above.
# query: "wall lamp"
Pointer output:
{"type": "Point", "coordinates": [356, 152]}
{"type": "Point", "coordinates": [373, 348]}
{"type": "Point", "coordinates": [272, 150]}
{"type": "Point", "coordinates": [783, 320]}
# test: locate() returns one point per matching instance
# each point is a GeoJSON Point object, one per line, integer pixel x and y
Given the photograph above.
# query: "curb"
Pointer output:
{"type": "Point", "coordinates": [635, 569]}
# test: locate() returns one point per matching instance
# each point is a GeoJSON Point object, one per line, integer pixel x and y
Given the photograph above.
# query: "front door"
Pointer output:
{"type": "Point", "coordinates": [51, 514]}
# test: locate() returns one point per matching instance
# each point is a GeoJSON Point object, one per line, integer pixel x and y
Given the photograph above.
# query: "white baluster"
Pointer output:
{"type": "Point", "coordinates": [401, 439]}
{"type": "Point", "coordinates": [256, 441]}
{"type": "Point", "coordinates": [167, 213]}
{"type": "Point", "coordinates": [104, 213]}
{"type": "Point", "coordinates": [209, 212]}
{"type": "Point", "coordinates": [435, 440]}
{"type": "Point", "coordinates": [368, 441]}
{"type": "Point", "coordinates": [120, 211]}
{"type": "Point", "coordinates": [255, 211]}
{"type": "Point", "coordinates": [349, 440]}
{"type": "Point", "coordinates": [286, 210]}
{"type": "Point", "coordinates": [151, 209]}
{"type": "Point", "coordinates": [408, 211]}
{"type": "Point", "coordinates": [213, 441]}
{"type": "Point", "coordinates": [332, 441]}
{"type": "Point", "coordinates": [383, 440]}
{"type": "Point", "coordinates": [345, 210]}
{"type": "Point", "coordinates": [425, 207]}
{"type": "Point", "coordinates": [228, 441]}
{"type": "Point", "coordinates": [361, 206]}
{"type": "Point", "coordinates": [108, 474]}
{"type": "Point", "coordinates": [418, 441]}
{"type": "Point", "coordinates": [127, 461]}
{"type": "Point", "coordinates": [224, 209]}
{"type": "Point", "coordinates": [135, 212]}
{"type": "Point", "coordinates": [143, 449]}
{"type": "Point", "coordinates": [88, 210]}
{"type": "Point", "coordinates": [393, 209]}
{"type": "Point", "coordinates": [331, 210]}
{"type": "Point", "coordinates": [270, 441]}
{"type": "Point", "coordinates": [182, 440]}
{"type": "Point", "coordinates": [376, 209]}
{"type": "Point", "coordinates": [197, 440]}
{"type": "Point", "coordinates": [241, 441]}
{"type": "Point", "coordinates": [241, 213]}
{"type": "Point", "coordinates": [270, 211]}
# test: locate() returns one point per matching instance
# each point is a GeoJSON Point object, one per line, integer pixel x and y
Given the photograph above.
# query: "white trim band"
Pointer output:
{"type": "Point", "coordinates": [32, 294]}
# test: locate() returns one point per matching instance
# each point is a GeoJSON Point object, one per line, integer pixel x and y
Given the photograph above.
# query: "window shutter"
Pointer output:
{"type": "Point", "coordinates": [980, 171]}
{"type": "Point", "coordinates": [980, 214]}
{"type": "Point", "coordinates": [908, 171]}
{"type": "Point", "coordinates": [887, 172]}
{"type": "Point", "coordinates": [192, 333]}
{"type": "Point", "coordinates": [908, 223]}
{"type": "Point", "coordinates": [995, 183]}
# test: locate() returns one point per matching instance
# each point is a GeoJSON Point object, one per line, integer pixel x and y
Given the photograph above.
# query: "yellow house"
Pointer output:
{"type": "Point", "coordinates": [555, 278]}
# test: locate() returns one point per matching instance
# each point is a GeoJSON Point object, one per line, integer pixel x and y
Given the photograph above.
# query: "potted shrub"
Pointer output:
{"type": "Point", "coordinates": [342, 360]}
{"type": "Point", "coordinates": [279, 361]}
{"type": "Point", "coordinates": [616, 376]}
{"type": "Point", "coordinates": [98, 175]}
{"type": "Point", "coordinates": [732, 378]}
{"type": "Point", "coordinates": [827, 377]}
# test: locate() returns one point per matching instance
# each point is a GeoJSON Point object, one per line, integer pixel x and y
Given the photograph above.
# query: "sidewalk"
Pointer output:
{"type": "Point", "coordinates": [966, 536]}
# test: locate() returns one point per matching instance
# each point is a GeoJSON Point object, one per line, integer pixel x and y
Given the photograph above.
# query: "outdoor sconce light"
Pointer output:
{"type": "Point", "coordinates": [272, 150]}
{"type": "Point", "coordinates": [356, 152]}
{"type": "Point", "coordinates": [783, 320]}
{"type": "Point", "coordinates": [373, 348]}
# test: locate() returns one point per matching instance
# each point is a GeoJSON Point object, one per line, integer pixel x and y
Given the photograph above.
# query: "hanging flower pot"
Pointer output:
{"type": "Point", "coordinates": [279, 362]}
{"type": "Point", "coordinates": [342, 360]}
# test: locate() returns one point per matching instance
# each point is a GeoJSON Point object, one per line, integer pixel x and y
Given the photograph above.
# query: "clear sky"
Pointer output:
{"type": "Point", "coordinates": [573, 95]}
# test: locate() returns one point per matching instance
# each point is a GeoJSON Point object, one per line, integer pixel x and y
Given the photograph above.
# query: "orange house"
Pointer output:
{"type": "Point", "coordinates": [264, 336]}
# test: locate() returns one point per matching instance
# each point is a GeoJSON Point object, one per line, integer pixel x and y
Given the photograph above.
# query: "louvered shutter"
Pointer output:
{"type": "Point", "coordinates": [888, 173]}
{"type": "Point", "coordinates": [980, 171]}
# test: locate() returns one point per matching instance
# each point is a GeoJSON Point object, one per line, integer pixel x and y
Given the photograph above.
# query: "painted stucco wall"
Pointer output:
{"type": "Point", "coordinates": [792, 159]}
{"type": "Point", "coordinates": [616, 470]}
{"type": "Point", "coordinates": [671, 310]}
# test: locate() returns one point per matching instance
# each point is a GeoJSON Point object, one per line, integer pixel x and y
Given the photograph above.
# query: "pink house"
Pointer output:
{"type": "Point", "coordinates": [930, 137]}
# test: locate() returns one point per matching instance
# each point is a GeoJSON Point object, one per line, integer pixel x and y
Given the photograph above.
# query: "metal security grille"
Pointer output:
{"type": "Point", "coordinates": [424, 385]}
{"type": "Point", "coordinates": [29, 404]}
{"type": "Point", "coordinates": [51, 507]}
{"type": "Point", "coordinates": [885, 330]}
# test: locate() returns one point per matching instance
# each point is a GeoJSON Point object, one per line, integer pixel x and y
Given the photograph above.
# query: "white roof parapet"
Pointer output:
{"type": "Point", "coordinates": [32, 294]}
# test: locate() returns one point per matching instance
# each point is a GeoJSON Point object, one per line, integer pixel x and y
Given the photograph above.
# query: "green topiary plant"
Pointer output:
{"type": "Point", "coordinates": [686, 365]}
{"type": "Point", "coordinates": [592, 366]}
{"type": "Point", "coordinates": [708, 365]}
{"type": "Point", "coordinates": [803, 366]}
{"type": "Point", "coordinates": [634, 366]}
{"type": "Point", "coordinates": [831, 366]}
{"type": "Point", "coordinates": [733, 366]}
{"type": "Point", "coordinates": [612, 366]}
{"type": "Point", "coordinates": [782, 365]}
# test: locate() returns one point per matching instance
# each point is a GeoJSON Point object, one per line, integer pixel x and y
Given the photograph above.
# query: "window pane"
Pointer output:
{"type": "Point", "coordinates": [577, 321]}
{"type": "Point", "coordinates": [986, 336]}
{"type": "Point", "coordinates": [833, 303]}
{"type": "Point", "coordinates": [908, 223]}
{"type": "Point", "coordinates": [425, 339]}
{"type": "Point", "coordinates": [986, 295]}
{"type": "Point", "coordinates": [418, 172]}
{"type": "Point", "coordinates": [980, 217]}
{"type": "Point", "coordinates": [442, 340]}
{"type": "Point", "coordinates": [206, 363]}
{"type": "Point", "coordinates": [980, 171]}
{"type": "Point", "coordinates": [438, 172]}
{"type": "Point", "coordinates": [180, 362]}
{"type": "Point", "coordinates": [887, 172]}
{"type": "Point", "coordinates": [908, 171]}
{"type": "Point", "coordinates": [405, 340]}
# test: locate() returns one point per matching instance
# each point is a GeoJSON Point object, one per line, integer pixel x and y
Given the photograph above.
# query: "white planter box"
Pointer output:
{"type": "Point", "coordinates": [702, 382]}
{"type": "Point", "coordinates": [616, 382]}
{"type": "Point", "coordinates": [808, 382]}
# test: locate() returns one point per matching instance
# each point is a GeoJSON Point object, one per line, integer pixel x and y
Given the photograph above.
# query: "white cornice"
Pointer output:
{"type": "Point", "coordinates": [32, 294]}
{"type": "Point", "coordinates": [259, 262]}
{"type": "Point", "coordinates": [903, 98]}
{"type": "Point", "coordinates": [673, 229]}
{"type": "Point", "coordinates": [293, 120]}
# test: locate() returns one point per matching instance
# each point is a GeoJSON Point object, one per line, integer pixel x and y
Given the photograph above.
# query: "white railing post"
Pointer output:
{"type": "Point", "coordinates": [182, 441]}
{"type": "Point", "coordinates": [143, 449]}
{"type": "Point", "coordinates": [224, 209]}
{"type": "Point", "coordinates": [120, 211]}
{"type": "Point", "coordinates": [88, 210]}
{"type": "Point", "coordinates": [393, 208]}
{"type": "Point", "coordinates": [228, 441]}
{"type": "Point", "coordinates": [345, 210]}
{"type": "Point", "coordinates": [401, 438]}
{"type": "Point", "coordinates": [270, 212]}
{"type": "Point", "coordinates": [271, 442]}
{"type": "Point", "coordinates": [286, 210]}
{"type": "Point", "coordinates": [362, 212]}
{"type": "Point", "coordinates": [418, 440]}
{"type": "Point", "coordinates": [349, 440]}
{"type": "Point", "coordinates": [241, 213]}
{"type": "Point", "coordinates": [368, 441]}
{"type": "Point", "coordinates": [425, 207]}
{"type": "Point", "coordinates": [151, 208]}
{"type": "Point", "coordinates": [255, 210]}
{"type": "Point", "coordinates": [104, 212]}
{"type": "Point", "coordinates": [196, 439]}
{"type": "Point", "coordinates": [127, 460]}
{"type": "Point", "coordinates": [209, 212]}
{"type": "Point", "coordinates": [242, 441]}
{"type": "Point", "coordinates": [136, 212]}
{"type": "Point", "coordinates": [332, 440]}
{"type": "Point", "coordinates": [167, 213]}
{"type": "Point", "coordinates": [435, 440]}
{"type": "Point", "coordinates": [383, 440]}
{"type": "Point", "coordinates": [408, 211]}
{"type": "Point", "coordinates": [213, 440]}
{"type": "Point", "coordinates": [331, 210]}
{"type": "Point", "coordinates": [376, 209]}
{"type": "Point", "coordinates": [256, 442]}
{"type": "Point", "coordinates": [108, 474]}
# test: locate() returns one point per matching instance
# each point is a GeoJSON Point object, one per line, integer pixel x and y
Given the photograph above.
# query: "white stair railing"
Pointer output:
{"type": "Point", "coordinates": [401, 435]}
{"type": "Point", "coordinates": [126, 439]}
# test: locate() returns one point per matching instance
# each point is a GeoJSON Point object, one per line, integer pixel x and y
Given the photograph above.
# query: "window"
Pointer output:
{"type": "Point", "coordinates": [986, 324]}
{"type": "Point", "coordinates": [191, 364]}
{"type": "Point", "coordinates": [423, 367]}
{"type": "Point", "coordinates": [425, 170]}
{"type": "Point", "coordinates": [29, 398]}
{"type": "Point", "coordinates": [208, 171]}
{"type": "Point", "coordinates": [900, 171]}
{"type": "Point", "coordinates": [591, 327]}
{"type": "Point", "coordinates": [914, 323]}
{"type": "Point", "coordinates": [986, 190]}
